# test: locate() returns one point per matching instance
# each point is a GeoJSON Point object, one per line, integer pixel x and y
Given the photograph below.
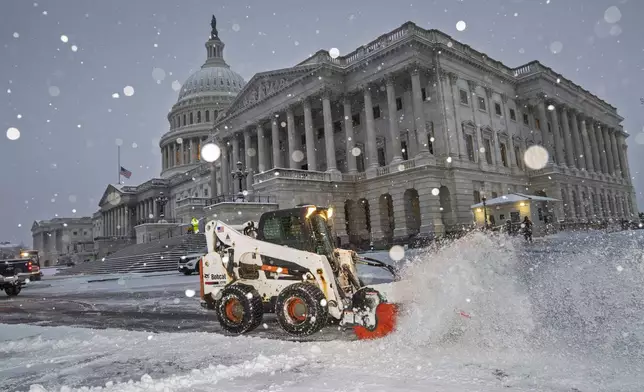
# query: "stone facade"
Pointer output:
{"type": "Point", "coordinates": [401, 136]}
{"type": "Point", "coordinates": [60, 237]}
{"type": "Point", "coordinates": [407, 132]}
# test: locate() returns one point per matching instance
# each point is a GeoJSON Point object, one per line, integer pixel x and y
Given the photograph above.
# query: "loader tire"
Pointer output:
{"type": "Point", "coordinates": [240, 309]}
{"type": "Point", "coordinates": [301, 309]}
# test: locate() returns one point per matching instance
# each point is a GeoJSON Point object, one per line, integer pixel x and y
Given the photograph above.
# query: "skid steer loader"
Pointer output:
{"type": "Point", "coordinates": [287, 264]}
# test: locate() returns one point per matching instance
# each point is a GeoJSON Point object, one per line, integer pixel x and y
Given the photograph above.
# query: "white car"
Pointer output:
{"type": "Point", "coordinates": [190, 263]}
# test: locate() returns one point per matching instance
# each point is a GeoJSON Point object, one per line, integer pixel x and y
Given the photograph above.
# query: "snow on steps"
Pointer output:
{"type": "Point", "coordinates": [157, 256]}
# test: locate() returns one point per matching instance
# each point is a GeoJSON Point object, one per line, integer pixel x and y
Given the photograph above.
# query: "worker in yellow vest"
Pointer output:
{"type": "Point", "coordinates": [195, 225]}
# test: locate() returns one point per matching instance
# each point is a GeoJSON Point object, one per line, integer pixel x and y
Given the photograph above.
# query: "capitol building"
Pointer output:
{"type": "Point", "coordinates": [402, 136]}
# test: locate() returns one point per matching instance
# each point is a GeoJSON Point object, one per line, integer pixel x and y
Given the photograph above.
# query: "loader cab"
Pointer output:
{"type": "Point", "coordinates": [304, 227]}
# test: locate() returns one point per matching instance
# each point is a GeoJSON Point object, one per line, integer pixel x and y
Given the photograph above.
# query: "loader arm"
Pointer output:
{"type": "Point", "coordinates": [245, 258]}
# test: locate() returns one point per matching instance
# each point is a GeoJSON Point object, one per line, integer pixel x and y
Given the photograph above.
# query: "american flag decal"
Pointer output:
{"type": "Point", "coordinates": [220, 229]}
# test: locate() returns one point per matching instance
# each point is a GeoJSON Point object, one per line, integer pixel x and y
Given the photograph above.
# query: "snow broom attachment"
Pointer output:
{"type": "Point", "coordinates": [373, 315]}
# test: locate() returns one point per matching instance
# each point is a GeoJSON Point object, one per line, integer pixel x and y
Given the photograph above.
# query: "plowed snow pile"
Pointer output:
{"type": "Point", "coordinates": [488, 314]}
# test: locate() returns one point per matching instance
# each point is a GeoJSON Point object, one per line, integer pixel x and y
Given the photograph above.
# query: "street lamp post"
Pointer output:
{"type": "Point", "coordinates": [240, 174]}
{"type": "Point", "coordinates": [484, 212]}
{"type": "Point", "coordinates": [162, 200]}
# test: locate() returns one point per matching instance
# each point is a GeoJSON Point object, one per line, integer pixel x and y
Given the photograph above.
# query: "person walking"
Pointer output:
{"type": "Point", "coordinates": [527, 229]}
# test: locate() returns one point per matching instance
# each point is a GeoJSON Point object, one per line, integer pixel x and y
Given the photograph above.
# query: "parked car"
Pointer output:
{"type": "Point", "coordinates": [188, 264]}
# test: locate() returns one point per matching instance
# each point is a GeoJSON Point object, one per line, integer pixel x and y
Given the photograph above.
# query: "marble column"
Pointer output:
{"type": "Point", "coordinates": [235, 143]}
{"type": "Point", "coordinates": [225, 172]}
{"type": "Point", "coordinates": [585, 138]}
{"type": "Point", "coordinates": [394, 132]}
{"type": "Point", "coordinates": [371, 153]}
{"type": "Point", "coordinates": [543, 124]}
{"type": "Point", "coordinates": [419, 115]}
{"type": "Point", "coordinates": [556, 136]}
{"type": "Point", "coordinates": [614, 150]}
{"type": "Point", "coordinates": [329, 140]}
{"type": "Point", "coordinates": [599, 138]}
{"type": "Point", "coordinates": [593, 144]}
{"type": "Point", "coordinates": [311, 158]}
{"type": "Point", "coordinates": [580, 202]}
{"type": "Point", "coordinates": [608, 147]}
{"type": "Point", "coordinates": [275, 137]}
{"type": "Point", "coordinates": [248, 160]}
{"type": "Point", "coordinates": [262, 161]}
{"type": "Point", "coordinates": [348, 130]}
{"type": "Point", "coordinates": [155, 209]}
{"type": "Point", "coordinates": [510, 153]}
{"type": "Point", "coordinates": [570, 150]}
{"type": "Point", "coordinates": [290, 132]}
{"type": "Point", "coordinates": [213, 180]}
{"type": "Point", "coordinates": [621, 153]}
{"type": "Point", "coordinates": [580, 153]}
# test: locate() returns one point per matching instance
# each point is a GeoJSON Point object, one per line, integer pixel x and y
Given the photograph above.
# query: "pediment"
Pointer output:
{"type": "Point", "coordinates": [34, 226]}
{"type": "Point", "coordinates": [267, 84]}
{"type": "Point", "coordinates": [112, 196]}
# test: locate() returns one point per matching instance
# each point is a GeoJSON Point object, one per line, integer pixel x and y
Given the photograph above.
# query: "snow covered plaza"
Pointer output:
{"type": "Point", "coordinates": [401, 135]}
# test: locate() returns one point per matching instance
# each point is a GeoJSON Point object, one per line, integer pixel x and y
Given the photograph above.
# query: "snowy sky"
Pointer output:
{"type": "Point", "coordinates": [62, 61]}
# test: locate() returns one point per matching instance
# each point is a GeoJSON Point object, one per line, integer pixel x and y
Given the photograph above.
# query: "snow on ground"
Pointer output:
{"type": "Point", "coordinates": [566, 314]}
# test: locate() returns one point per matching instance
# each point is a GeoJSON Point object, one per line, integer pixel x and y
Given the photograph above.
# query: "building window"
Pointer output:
{"type": "Point", "coordinates": [376, 111]}
{"type": "Point", "coordinates": [399, 103]}
{"type": "Point", "coordinates": [205, 192]}
{"type": "Point", "coordinates": [497, 108]}
{"type": "Point", "coordinates": [75, 233]}
{"type": "Point", "coordinates": [191, 119]}
{"type": "Point", "coordinates": [526, 119]}
{"type": "Point", "coordinates": [184, 120]}
{"type": "Point", "coordinates": [403, 150]}
{"type": "Point", "coordinates": [464, 97]}
{"type": "Point", "coordinates": [481, 103]}
{"type": "Point", "coordinates": [303, 140]}
{"type": "Point", "coordinates": [477, 196]}
{"type": "Point", "coordinates": [320, 133]}
{"type": "Point", "coordinates": [423, 93]}
{"type": "Point", "coordinates": [549, 128]}
{"type": "Point", "coordinates": [382, 159]}
{"type": "Point", "coordinates": [517, 156]}
{"type": "Point", "coordinates": [469, 144]}
{"type": "Point", "coordinates": [504, 155]}
{"type": "Point", "coordinates": [360, 158]}
{"type": "Point", "coordinates": [207, 115]}
{"type": "Point", "coordinates": [537, 123]}
{"type": "Point", "coordinates": [337, 127]}
{"type": "Point", "coordinates": [488, 151]}
{"type": "Point", "coordinates": [199, 117]}
{"type": "Point", "coordinates": [513, 115]}
{"type": "Point", "coordinates": [355, 119]}
{"type": "Point", "coordinates": [495, 195]}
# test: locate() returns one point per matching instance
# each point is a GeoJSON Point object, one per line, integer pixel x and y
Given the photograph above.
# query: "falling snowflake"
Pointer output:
{"type": "Point", "coordinates": [461, 25]}
{"type": "Point", "coordinates": [13, 133]}
{"type": "Point", "coordinates": [334, 53]}
{"type": "Point", "coordinates": [74, 48]}
{"type": "Point", "coordinates": [16, 35]}
{"type": "Point", "coordinates": [128, 91]}
{"type": "Point", "coordinates": [64, 38]}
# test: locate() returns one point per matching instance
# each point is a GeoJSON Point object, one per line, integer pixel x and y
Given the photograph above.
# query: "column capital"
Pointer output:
{"type": "Point", "coordinates": [488, 91]}
{"type": "Point", "coordinates": [306, 102]}
{"type": "Point", "coordinates": [453, 77]}
{"type": "Point", "coordinates": [289, 109]}
{"type": "Point", "coordinates": [472, 85]}
{"type": "Point", "coordinates": [326, 93]}
{"type": "Point", "coordinates": [574, 112]}
{"type": "Point", "coordinates": [414, 68]}
{"type": "Point", "coordinates": [389, 79]}
{"type": "Point", "coordinates": [541, 98]}
{"type": "Point", "coordinates": [504, 98]}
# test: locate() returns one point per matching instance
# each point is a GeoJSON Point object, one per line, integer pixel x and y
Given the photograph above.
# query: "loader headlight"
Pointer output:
{"type": "Point", "coordinates": [310, 211]}
{"type": "Point", "coordinates": [329, 213]}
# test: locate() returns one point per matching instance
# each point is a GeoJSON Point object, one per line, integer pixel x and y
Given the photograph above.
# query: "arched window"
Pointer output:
{"type": "Point", "coordinates": [199, 117]}
{"type": "Point", "coordinates": [191, 119]}
{"type": "Point", "coordinates": [184, 120]}
{"type": "Point", "coordinates": [207, 115]}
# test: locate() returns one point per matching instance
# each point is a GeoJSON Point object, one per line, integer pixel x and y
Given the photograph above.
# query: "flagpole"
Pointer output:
{"type": "Point", "coordinates": [119, 163]}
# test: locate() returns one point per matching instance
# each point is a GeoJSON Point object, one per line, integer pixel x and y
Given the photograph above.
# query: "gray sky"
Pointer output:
{"type": "Point", "coordinates": [56, 166]}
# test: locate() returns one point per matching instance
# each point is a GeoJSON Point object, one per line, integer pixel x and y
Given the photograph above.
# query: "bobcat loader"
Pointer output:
{"type": "Point", "coordinates": [287, 264]}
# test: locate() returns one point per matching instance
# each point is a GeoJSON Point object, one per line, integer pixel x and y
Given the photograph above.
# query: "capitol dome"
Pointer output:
{"type": "Point", "coordinates": [204, 96]}
{"type": "Point", "coordinates": [212, 81]}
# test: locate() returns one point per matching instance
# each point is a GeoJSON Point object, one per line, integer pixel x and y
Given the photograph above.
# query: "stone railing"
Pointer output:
{"type": "Point", "coordinates": [294, 174]}
{"type": "Point", "coordinates": [353, 177]}
{"type": "Point", "coordinates": [151, 183]}
{"type": "Point", "coordinates": [202, 169]}
{"type": "Point", "coordinates": [396, 167]}
{"type": "Point", "coordinates": [250, 198]}
{"type": "Point", "coordinates": [193, 202]}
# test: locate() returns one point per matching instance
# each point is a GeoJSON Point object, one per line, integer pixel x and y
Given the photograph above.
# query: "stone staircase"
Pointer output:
{"type": "Point", "coordinates": [156, 256]}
